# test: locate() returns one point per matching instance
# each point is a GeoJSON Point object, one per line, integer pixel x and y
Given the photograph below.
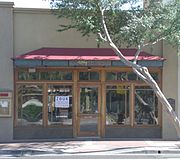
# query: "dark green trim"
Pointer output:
{"type": "Point", "coordinates": [66, 63]}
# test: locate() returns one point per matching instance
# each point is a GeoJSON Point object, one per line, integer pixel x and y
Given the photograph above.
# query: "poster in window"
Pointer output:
{"type": "Point", "coordinates": [4, 103]}
{"type": "Point", "coordinates": [4, 107]}
{"type": "Point", "coordinates": [62, 101]}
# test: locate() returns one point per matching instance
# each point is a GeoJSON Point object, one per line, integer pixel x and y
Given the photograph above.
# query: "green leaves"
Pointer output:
{"type": "Point", "coordinates": [133, 27]}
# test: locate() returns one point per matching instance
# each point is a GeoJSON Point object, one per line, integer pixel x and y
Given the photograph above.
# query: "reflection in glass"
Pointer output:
{"type": "Point", "coordinates": [60, 105]}
{"type": "Point", "coordinates": [83, 76]}
{"type": "Point", "coordinates": [88, 111]}
{"type": "Point", "coordinates": [94, 76]}
{"type": "Point", "coordinates": [121, 76]}
{"type": "Point", "coordinates": [111, 76]}
{"type": "Point", "coordinates": [88, 76]}
{"type": "Point", "coordinates": [146, 106]}
{"type": "Point", "coordinates": [155, 76]}
{"type": "Point", "coordinates": [117, 105]}
{"type": "Point", "coordinates": [22, 75]}
{"type": "Point", "coordinates": [89, 100]}
{"type": "Point", "coordinates": [60, 75]}
{"type": "Point", "coordinates": [30, 104]}
{"type": "Point", "coordinates": [33, 76]}
{"type": "Point", "coordinates": [131, 76]}
{"type": "Point", "coordinates": [44, 75]}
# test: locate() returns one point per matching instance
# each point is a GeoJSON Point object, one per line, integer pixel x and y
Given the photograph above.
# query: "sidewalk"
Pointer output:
{"type": "Point", "coordinates": [94, 147]}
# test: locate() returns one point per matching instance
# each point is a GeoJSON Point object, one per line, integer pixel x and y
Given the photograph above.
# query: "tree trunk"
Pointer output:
{"type": "Point", "coordinates": [144, 74]}
{"type": "Point", "coordinates": [172, 115]}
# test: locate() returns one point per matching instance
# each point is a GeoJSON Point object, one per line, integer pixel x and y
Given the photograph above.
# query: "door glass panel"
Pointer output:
{"type": "Point", "coordinates": [89, 100]}
{"type": "Point", "coordinates": [88, 118]}
{"type": "Point", "coordinates": [88, 125]}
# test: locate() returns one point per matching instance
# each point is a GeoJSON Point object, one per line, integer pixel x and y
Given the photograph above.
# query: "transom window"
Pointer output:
{"type": "Point", "coordinates": [44, 75]}
{"type": "Point", "coordinates": [127, 76]}
{"type": "Point", "coordinates": [85, 76]}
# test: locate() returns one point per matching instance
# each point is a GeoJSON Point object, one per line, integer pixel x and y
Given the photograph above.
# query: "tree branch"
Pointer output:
{"type": "Point", "coordinates": [137, 54]}
{"type": "Point", "coordinates": [137, 69]}
{"type": "Point", "coordinates": [140, 75]}
{"type": "Point", "coordinates": [153, 43]}
{"type": "Point", "coordinates": [104, 39]}
{"type": "Point", "coordinates": [113, 46]}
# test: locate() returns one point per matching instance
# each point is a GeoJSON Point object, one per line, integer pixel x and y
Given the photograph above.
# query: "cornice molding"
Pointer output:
{"type": "Point", "coordinates": [6, 4]}
{"type": "Point", "coordinates": [32, 10]}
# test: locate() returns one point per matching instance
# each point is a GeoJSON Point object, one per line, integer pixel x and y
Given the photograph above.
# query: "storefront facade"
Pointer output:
{"type": "Point", "coordinates": [72, 89]}
{"type": "Point", "coordinates": [74, 93]}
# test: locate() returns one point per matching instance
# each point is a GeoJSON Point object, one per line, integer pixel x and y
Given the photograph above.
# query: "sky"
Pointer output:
{"type": "Point", "coordinates": [29, 3]}
{"type": "Point", "coordinates": [39, 3]}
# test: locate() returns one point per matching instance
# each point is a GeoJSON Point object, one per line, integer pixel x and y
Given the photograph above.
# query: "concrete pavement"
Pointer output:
{"type": "Point", "coordinates": [89, 147]}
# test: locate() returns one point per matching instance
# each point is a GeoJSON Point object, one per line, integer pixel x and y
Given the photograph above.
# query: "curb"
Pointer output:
{"type": "Point", "coordinates": [21, 153]}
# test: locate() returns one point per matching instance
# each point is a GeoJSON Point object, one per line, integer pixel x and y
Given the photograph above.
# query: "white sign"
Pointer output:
{"type": "Point", "coordinates": [62, 101]}
{"type": "Point", "coordinates": [4, 103]}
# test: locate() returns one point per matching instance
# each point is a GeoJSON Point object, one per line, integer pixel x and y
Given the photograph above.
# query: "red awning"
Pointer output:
{"type": "Point", "coordinates": [83, 54]}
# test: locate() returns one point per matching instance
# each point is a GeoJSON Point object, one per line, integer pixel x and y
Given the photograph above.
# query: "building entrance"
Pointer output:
{"type": "Point", "coordinates": [88, 111]}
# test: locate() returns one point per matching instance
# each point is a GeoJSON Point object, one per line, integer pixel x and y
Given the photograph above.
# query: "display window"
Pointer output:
{"type": "Point", "coordinates": [30, 104]}
{"type": "Point", "coordinates": [146, 106]}
{"type": "Point", "coordinates": [59, 105]}
{"type": "Point", "coordinates": [117, 105]}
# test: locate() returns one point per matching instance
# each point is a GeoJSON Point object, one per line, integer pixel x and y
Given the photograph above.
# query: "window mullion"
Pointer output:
{"type": "Point", "coordinates": [132, 104]}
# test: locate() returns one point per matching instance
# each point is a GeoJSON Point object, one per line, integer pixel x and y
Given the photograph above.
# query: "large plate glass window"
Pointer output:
{"type": "Point", "coordinates": [30, 104]}
{"type": "Point", "coordinates": [146, 106]}
{"type": "Point", "coordinates": [117, 105]}
{"type": "Point", "coordinates": [60, 105]}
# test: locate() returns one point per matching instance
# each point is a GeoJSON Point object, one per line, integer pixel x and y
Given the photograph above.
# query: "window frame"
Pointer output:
{"type": "Point", "coordinates": [126, 85]}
